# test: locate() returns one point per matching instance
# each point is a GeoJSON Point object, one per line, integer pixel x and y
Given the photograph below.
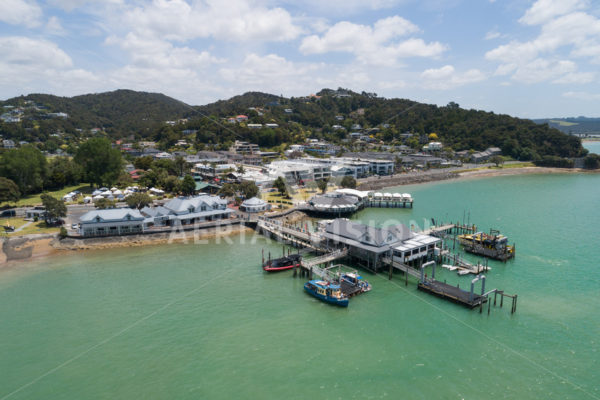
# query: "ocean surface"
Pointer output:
{"type": "Point", "coordinates": [592, 146]}
{"type": "Point", "coordinates": [202, 321]}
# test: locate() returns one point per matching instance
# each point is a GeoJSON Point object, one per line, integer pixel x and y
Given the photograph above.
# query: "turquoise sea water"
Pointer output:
{"type": "Point", "coordinates": [203, 320]}
{"type": "Point", "coordinates": [593, 147]}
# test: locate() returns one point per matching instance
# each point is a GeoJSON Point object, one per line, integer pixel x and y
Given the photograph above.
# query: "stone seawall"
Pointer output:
{"type": "Point", "coordinates": [404, 179]}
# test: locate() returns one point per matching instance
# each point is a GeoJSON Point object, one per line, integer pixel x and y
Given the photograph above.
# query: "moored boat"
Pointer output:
{"type": "Point", "coordinates": [328, 292]}
{"type": "Point", "coordinates": [353, 283]}
{"type": "Point", "coordinates": [282, 263]}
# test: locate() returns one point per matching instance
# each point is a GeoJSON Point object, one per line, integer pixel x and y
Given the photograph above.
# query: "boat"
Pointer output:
{"type": "Point", "coordinates": [493, 245]}
{"type": "Point", "coordinates": [353, 283]}
{"type": "Point", "coordinates": [328, 292]}
{"type": "Point", "coordinates": [282, 263]}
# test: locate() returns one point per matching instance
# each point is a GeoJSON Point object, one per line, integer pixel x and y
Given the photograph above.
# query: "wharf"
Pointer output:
{"type": "Point", "coordinates": [388, 203]}
{"type": "Point", "coordinates": [452, 293]}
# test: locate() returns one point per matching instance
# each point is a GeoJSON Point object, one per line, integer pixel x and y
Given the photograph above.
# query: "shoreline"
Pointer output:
{"type": "Point", "coordinates": [440, 176]}
{"type": "Point", "coordinates": [19, 249]}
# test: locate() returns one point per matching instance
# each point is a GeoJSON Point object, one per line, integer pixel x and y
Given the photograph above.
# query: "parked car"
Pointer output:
{"type": "Point", "coordinates": [74, 226]}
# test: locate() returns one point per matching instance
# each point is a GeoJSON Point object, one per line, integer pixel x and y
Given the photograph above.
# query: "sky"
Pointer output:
{"type": "Point", "coordinates": [526, 58]}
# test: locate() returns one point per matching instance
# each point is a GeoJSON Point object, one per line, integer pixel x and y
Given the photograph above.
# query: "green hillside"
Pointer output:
{"type": "Point", "coordinates": [123, 113]}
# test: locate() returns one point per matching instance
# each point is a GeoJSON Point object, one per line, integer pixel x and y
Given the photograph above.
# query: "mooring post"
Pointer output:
{"type": "Point", "coordinates": [310, 274]}
{"type": "Point", "coordinates": [489, 304]}
{"type": "Point", "coordinates": [390, 272]}
{"type": "Point", "coordinates": [501, 299]}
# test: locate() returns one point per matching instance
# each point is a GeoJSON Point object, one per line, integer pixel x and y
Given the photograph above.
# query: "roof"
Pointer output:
{"type": "Point", "coordinates": [254, 201]}
{"type": "Point", "coordinates": [183, 204]}
{"type": "Point", "coordinates": [366, 236]}
{"type": "Point", "coordinates": [331, 200]}
{"type": "Point", "coordinates": [111, 215]}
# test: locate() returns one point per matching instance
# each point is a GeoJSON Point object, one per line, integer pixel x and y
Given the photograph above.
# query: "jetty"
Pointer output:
{"type": "Point", "coordinates": [389, 200]}
{"type": "Point", "coordinates": [395, 248]}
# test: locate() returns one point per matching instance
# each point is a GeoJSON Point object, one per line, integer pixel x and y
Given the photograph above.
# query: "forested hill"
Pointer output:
{"type": "Point", "coordinates": [123, 112]}
{"type": "Point", "coordinates": [118, 112]}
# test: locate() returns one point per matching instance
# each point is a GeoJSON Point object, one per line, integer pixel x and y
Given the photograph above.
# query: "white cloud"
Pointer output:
{"type": "Point", "coordinates": [372, 45]}
{"type": "Point", "coordinates": [22, 52]}
{"type": "Point", "coordinates": [234, 20]}
{"type": "Point", "coordinates": [582, 95]}
{"type": "Point", "coordinates": [21, 12]}
{"type": "Point", "coordinates": [446, 77]}
{"type": "Point", "coordinates": [40, 65]}
{"type": "Point", "coordinates": [271, 71]}
{"type": "Point", "coordinates": [54, 27]}
{"type": "Point", "coordinates": [576, 78]}
{"type": "Point", "coordinates": [544, 10]}
{"type": "Point", "coordinates": [565, 30]}
{"type": "Point", "coordinates": [156, 53]}
{"type": "Point", "coordinates": [540, 70]}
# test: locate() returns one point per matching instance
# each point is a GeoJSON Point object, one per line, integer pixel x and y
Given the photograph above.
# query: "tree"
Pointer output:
{"type": "Point", "coordinates": [498, 160]}
{"type": "Point", "coordinates": [25, 166]}
{"type": "Point", "coordinates": [102, 204]}
{"type": "Point", "coordinates": [188, 185]}
{"type": "Point", "coordinates": [170, 184]}
{"type": "Point", "coordinates": [62, 171]}
{"type": "Point", "coordinates": [322, 185]}
{"type": "Point", "coordinates": [153, 178]}
{"type": "Point", "coordinates": [433, 136]}
{"type": "Point", "coordinates": [101, 163]}
{"type": "Point", "coordinates": [591, 161]}
{"type": "Point", "coordinates": [348, 182]}
{"type": "Point", "coordinates": [280, 185]}
{"type": "Point", "coordinates": [144, 162]}
{"type": "Point", "coordinates": [181, 166]}
{"type": "Point", "coordinates": [241, 170]}
{"type": "Point", "coordinates": [228, 190]}
{"type": "Point", "coordinates": [9, 191]}
{"type": "Point", "coordinates": [248, 189]}
{"type": "Point", "coordinates": [138, 200]}
{"type": "Point", "coordinates": [55, 208]}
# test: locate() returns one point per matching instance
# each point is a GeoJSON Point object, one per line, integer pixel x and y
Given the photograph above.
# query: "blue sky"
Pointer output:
{"type": "Point", "coordinates": [528, 58]}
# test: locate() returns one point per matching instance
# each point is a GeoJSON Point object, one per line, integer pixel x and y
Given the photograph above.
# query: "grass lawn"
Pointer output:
{"type": "Point", "coordinates": [301, 194]}
{"type": "Point", "coordinates": [17, 222]}
{"type": "Point", "coordinates": [34, 199]}
{"type": "Point", "coordinates": [503, 166]}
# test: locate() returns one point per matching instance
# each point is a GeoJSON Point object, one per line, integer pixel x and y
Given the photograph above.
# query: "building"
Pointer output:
{"type": "Point", "coordinates": [485, 155]}
{"type": "Point", "coordinates": [254, 126]}
{"type": "Point", "coordinates": [298, 171]}
{"type": "Point", "coordinates": [240, 147]}
{"type": "Point", "coordinates": [8, 144]}
{"type": "Point", "coordinates": [188, 210]}
{"type": "Point", "coordinates": [370, 244]}
{"type": "Point", "coordinates": [254, 205]}
{"type": "Point", "coordinates": [433, 146]}
{"type": "Point", "coordinates": [111, 222]}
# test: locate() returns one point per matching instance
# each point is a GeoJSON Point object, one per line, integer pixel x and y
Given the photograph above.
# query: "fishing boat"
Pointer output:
{"type": "Point", "coordinates": [283, 263]}
{"type": "Point", "coordinates": [328, 292]}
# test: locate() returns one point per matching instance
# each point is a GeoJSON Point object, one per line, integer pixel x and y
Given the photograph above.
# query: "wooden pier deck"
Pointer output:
{"type": "Point", "coordinates": [452, 293]}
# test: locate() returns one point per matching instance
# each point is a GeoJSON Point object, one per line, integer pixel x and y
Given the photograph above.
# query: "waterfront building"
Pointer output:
{"type": "Point", "coordinates": [111, 222]}
{"type": "Point", "coordinates": [188, 210]}
{"type": "Point", "coordinates": [254, 205]}
{"type": "Point", "coordinates": [370, 244]}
